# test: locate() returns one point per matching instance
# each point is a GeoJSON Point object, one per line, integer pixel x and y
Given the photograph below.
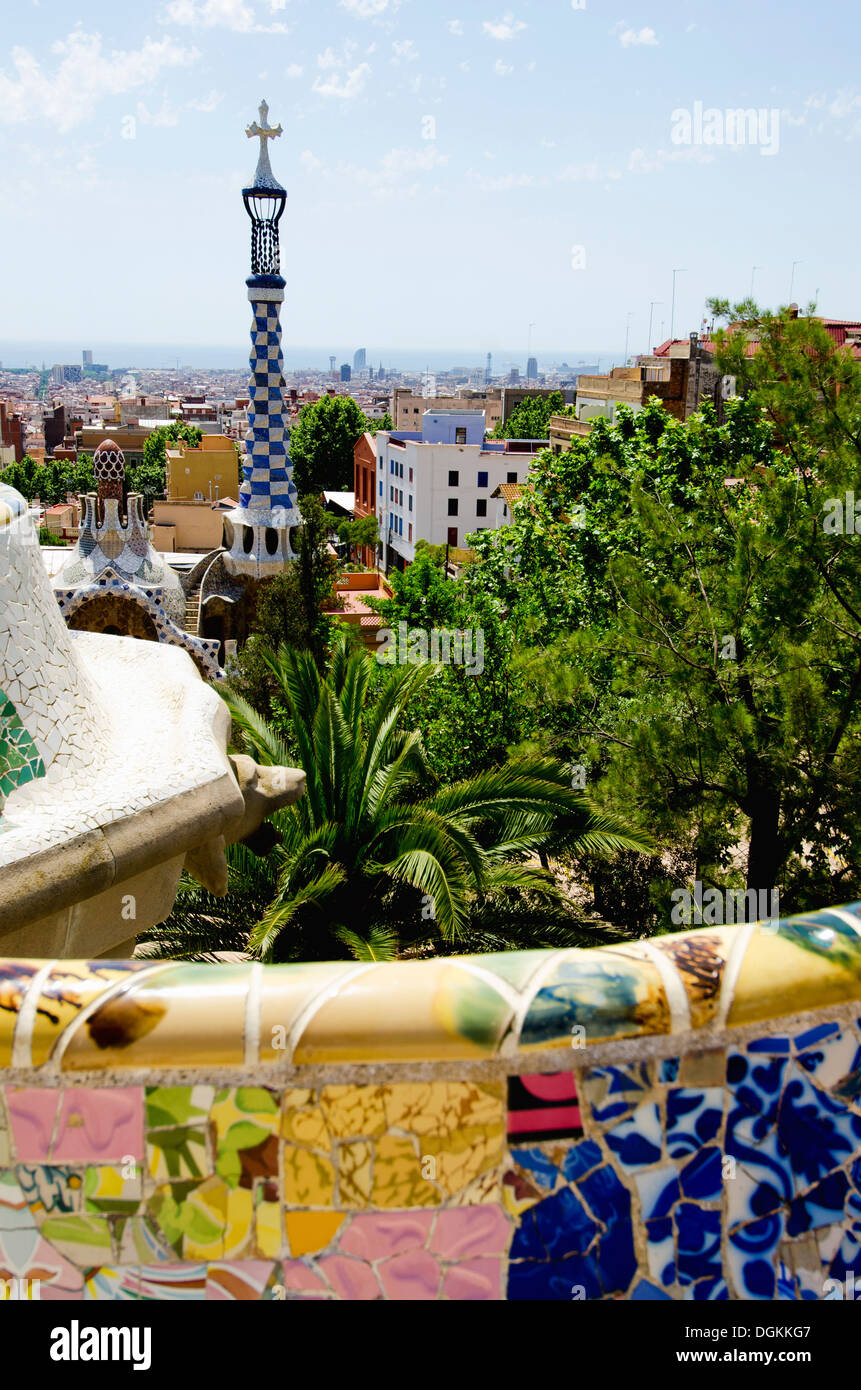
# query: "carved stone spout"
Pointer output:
{"type": "Point", "coordinates": [264, 790]}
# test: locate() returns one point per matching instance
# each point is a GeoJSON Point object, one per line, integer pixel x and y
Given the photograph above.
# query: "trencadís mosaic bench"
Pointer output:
{"type": "Point", "coordinates": [676, 1118]}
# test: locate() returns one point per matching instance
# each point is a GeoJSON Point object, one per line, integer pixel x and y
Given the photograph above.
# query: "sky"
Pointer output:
{"type": "Point", "coordinates": [461, 174]}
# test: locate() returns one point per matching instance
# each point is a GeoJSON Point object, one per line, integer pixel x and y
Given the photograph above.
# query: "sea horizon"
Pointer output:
{"type": "Point", "coordinates": [19, 353]}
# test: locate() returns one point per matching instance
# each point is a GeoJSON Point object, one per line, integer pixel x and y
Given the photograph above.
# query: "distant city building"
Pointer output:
{"type": "Point", "coordinates": [487, 370]}
{"type": "Point", "coordinates": [54, 427]}
{"type": "Point", "coordinates": [61, 373]}
{"type": "Point", "coordinates": [199, 480]}
{"type": "Point", "coordinates": [497, 402]}
{"type": "Point", "coordinates": [345, 371]}
{"type": "Point", "coordinates": [11, 436]}
{"type": "Point", "coordinates": [359, 357]}
{"type": "Point", "coordinates": [435, 483]}
{"type": "Point", "coordinates": [331, 364]}
{"type": "Point", "coordinates": [514, 375]}
{"type": "Point", "coordinates": [532, 369]}
{"type": "Point", "coordinates": [87, 357]}
{"type": "Point", "coordinates": [681, 380]}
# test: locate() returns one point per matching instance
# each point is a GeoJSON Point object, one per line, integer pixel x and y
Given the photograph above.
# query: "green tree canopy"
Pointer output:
{"type": "Point", "coordinates": [531, 418]}
{"type": "Point", "coordinates": [709, 669]}
{"type": "Point", "coordinates": [52, 481]}
{"type": "Point", "coordinates": [321, 444]}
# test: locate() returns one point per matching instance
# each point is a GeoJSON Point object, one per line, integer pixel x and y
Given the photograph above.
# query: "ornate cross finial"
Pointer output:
{"type": "Point", "coordinates": [264, 133]}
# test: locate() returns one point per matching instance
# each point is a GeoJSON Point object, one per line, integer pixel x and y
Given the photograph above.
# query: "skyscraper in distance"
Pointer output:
{"type": "Point", "coordinates": [532, 369]}
{"type": "Point", "coordinates": [359, 360]}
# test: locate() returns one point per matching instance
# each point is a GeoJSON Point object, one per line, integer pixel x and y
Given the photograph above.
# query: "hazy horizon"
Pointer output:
{"type": "Point", "coordinates": [227, 357]}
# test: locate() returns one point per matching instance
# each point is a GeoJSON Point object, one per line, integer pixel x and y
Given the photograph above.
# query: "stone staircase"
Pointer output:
{"type": "Point", "coordinates": [192, 610]}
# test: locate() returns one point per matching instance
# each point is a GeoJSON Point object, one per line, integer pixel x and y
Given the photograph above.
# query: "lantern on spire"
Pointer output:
{"type": "Point", "coordinates": [264, 200]}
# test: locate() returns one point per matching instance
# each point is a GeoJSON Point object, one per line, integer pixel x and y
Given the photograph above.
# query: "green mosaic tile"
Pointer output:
{"type": "Point", "coordinates": [20, 761]}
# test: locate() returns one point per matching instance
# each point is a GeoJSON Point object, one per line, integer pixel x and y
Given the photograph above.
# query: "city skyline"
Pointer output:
{"type": "Point", "coordinates": [430, 152]}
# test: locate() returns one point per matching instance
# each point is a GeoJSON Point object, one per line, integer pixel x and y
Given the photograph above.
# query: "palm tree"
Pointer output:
{"type": "Point", "coordinates": [369, 862]}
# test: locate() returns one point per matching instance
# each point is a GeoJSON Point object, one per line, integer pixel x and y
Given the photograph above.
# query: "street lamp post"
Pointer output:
{"type": "Point", "coordinates": [651, 312]}
{"type": "Point", "coordinates": [792, 280]}
{"type": "Point", "coordinates": [680, 271]}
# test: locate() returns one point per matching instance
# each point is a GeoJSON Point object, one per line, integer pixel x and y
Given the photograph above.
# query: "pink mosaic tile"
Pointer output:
{"type": "Point", "coordinates": [413, 1276]}
{"type": "Point", "coordinates": [300, 1278]}
{"type": "Point", "coordinates": [31, 1115]}
{"type": "Point", "coordinates": [350, 1278]}
{"type": "Point", "coordinates": [100, 1126]}
{"type": "Point", "coordinates": [465, 1231]}
{"type": "Point", "coordinates": [474, 1280]}
{"type": "Point", "coordinates": [375, 1237]}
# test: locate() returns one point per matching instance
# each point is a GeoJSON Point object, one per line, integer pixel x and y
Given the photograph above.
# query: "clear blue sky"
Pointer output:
{"type": "Point", "coordinates": [552, 128]}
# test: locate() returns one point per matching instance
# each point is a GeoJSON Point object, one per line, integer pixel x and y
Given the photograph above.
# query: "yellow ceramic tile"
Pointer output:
{"type": "Point", "coordinates": [485, 1189]}
{"type": "Point", "coordinates": [778, 977]}
{"type": "Point", "coordinates": [398, 1176]}
{"type": "Point", "coordinates": [309, 1179]}
{"type": "Point", "coordinates": [218, 1221]}
{"type": "Point", "coordinates": [310, 1231]}
{"type": "Point", "coordinates": [353, 1110]}
{"type": "Point", "coordinates": [354, 1173]}
{"type": "Point", "coordinates": [306, 1126]}
{"type": "Point", "coordinates": [462, 1156]}
{"type": "Point", "coordinates": [420, 1009]}
{"type": "Point", "coordinates": [269, 1236]}
{"type": "Point", "coordinates": [69, 988]}
{"type": "Point", "coordinates": [297, 1097]}
{"type": "Point", "coordinates": [15, 978]}
{"type": "Point", "coordinates": [433, 1107]}
{"type": "Point", "coordinates": [192, 1012]}
{"type": "Point", "coordinates": [285, 992]}
{"type": "Point", "coordinates": [700, 957]}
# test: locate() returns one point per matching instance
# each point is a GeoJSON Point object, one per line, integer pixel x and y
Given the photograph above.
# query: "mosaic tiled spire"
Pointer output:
{"type": "Point", "coordinates": [258, 531]}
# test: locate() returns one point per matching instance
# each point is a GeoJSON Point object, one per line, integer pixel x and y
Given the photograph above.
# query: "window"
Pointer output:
{"type": "Point", "coordinates": [482, 479]}
{"type": "Point", "coordinates": [452, 535]}
{"type": "Point", "coordinates": [400, 499]}
{"type": "Point", "coordinates": [511, 477]}
{"type": "Point", "coordinates": [400, 526]}
{"type": "Point", "coordinates": [410, 532]}
{"type": "Point", "coordinates": [453, 477]}
{"type": "Point", "coordinates": [381, 463]}
{"type": "Point", "coordinates": [481, 507]}
{"type": "Point", "coordinates": [410, 503]}
{"type": "Point", "coordinates": [411, 475]}
{"type": "Point", "coordinates": [452, 506]}
{"type": "Point", "coordinates": [460, 434]}
{"type": "Point", "coordinates": [415, 410]}
{"type": "Point", "coordinates": [401, 473]}
{"type": "Point", "coordinates": [381, 487]}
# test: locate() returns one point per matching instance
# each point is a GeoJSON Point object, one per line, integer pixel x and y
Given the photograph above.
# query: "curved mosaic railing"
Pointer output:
{"type": "Point", "coordinates": [676, 1118]}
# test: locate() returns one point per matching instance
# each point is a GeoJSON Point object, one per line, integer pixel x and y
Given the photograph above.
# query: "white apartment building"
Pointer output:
{"type": "Point", "coordinates": [436, 484]}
